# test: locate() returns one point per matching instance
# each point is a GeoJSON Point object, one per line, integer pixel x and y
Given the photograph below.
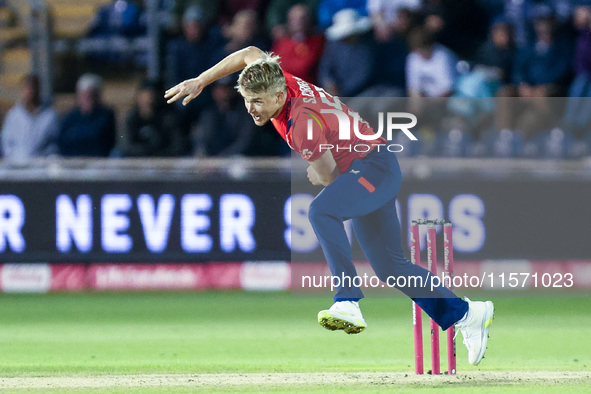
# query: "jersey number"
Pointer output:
{"type": "Point", "coordinates": [324, 98]}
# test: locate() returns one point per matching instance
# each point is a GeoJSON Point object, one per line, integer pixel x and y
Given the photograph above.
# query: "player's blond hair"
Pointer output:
{"type": "Point", "coordinates": [262, 76]}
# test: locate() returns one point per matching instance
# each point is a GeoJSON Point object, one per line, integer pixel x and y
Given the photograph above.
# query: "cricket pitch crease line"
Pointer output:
{"type": "Point", "coordinates": [491, 378]}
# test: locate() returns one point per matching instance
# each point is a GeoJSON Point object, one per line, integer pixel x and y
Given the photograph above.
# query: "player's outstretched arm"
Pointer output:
{"type": "Point", "coordinates": [193, 87]}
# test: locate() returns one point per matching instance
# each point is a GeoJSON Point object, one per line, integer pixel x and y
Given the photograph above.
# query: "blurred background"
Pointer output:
{"type": "Point", "coordinates": [103, 65]}
{"type": "Point", "coordinates": [104, 185]}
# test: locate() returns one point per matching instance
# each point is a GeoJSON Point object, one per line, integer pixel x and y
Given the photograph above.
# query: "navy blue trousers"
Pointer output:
{"type": "Point", "coordinates": [367, 193]}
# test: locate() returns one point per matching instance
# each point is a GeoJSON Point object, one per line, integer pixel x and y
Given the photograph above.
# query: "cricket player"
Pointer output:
{"type": "Point", "coordinates": [361, 186]}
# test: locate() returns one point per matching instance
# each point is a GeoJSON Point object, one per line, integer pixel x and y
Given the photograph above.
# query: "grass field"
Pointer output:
{"type": "Point", "coordinates": [270, 342]}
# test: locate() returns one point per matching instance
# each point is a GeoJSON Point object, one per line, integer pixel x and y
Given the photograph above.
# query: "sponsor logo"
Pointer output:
{"type": "Point", "coordinates": [25, 278]}
{"type": "Point", "coordinates": [265, 275]}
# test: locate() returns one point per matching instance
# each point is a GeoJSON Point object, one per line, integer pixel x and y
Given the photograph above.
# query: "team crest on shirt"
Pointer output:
{"type": "Point", "coordinates": [307, 153]}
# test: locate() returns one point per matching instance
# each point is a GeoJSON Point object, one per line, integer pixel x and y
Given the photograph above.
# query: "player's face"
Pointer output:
{"type": "Point", "coordinates": [263, 106]}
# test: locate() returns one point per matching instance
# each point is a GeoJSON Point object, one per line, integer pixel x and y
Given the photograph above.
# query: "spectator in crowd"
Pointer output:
{"type": "Point", "coordinates": [430, 72]}
{"type": "Point", "coordinates": [229, 9]}
{"type": "Point", "coordinates": [522, 14]}
{"type": "Point", "coordinates": [430, 67]}
{"type": "Point", "coordinates": [210, 8]}
{"type": "Point", "coordinates": [242, 32]}
{"type": "Point", "coordinates": [300, 50]}
{"type": "Point", "coordinates": [189, 56]}
{"type": "Point", "coordinates": [119, 18]}
{"type": "Point", "coordinates": [460, 25]}
{"type": "Point", "coordinates": [151, 128]}
{"type": "Point", "coordinates": [30, 128]}
{"type": "Point", "coordinates": [515, 12]}
{"type": "Point", "coordinates": [581, 86]}
{"type": "Point", "coordinates": [541, 70]}
{"type": "Point", "coordinates": [276, 16]}
{"type": "Point", "coordinates": [348, 61]}
{"type": "Point", "coordinates": [327, 9]}
{"type": "Point", "coordinates": [89, 128]}
{"type": "Point", "coordinates": [543, 67]}
{"type": "Point", "coordinates": [389, 17]}
{"type": "Point", "coordinates": [224, 128]}
{"type": "Point", "coordinates": [391, 24]}
{"type": "Point", "coordinates": [578, 107]}
{"type": "Point", "coordinates": [499, 50]}
{"type": "Point", "coordinates": [497, 54]}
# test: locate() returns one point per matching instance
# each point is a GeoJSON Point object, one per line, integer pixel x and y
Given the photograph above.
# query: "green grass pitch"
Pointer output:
{"type": "Point", "coordinates": [83, 334]}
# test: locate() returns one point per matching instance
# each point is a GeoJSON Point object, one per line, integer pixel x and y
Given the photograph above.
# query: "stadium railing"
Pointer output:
{"type": "Point", "coordinates": [241, 168]}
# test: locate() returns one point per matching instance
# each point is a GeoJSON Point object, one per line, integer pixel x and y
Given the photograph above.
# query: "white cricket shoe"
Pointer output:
{"type": "Point", "coordinates": [474, 327]}
{"type": "Point", "coordinates": [343, 315]}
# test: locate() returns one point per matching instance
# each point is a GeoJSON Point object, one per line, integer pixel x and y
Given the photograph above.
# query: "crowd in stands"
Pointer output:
{"type": "Point", "coordinates": [528, 63]}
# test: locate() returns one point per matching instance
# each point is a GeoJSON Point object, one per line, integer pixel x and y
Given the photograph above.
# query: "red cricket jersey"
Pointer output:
{"type": "Point", "coordinates": [312, 121]}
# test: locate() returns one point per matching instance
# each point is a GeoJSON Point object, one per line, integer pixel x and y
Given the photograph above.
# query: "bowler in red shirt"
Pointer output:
{"type": "Point", "coordinates": [361, 182]}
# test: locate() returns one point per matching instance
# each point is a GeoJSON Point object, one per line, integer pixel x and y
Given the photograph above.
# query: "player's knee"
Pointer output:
{"type": "Point", "coordinates": [382, 274]}
{"type": "Point", "coordinates": [403, 264]}
{"type": "Point", "coordinates": [318, 210]}
{"type": "Point", "coordinates": [394, 269]}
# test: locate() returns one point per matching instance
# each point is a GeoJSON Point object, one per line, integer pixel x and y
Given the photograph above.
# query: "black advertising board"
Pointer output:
{"type": "Point", "coordinates": [168, 221]}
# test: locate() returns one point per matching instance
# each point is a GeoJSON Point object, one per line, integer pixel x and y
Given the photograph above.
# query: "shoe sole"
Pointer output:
{"type": "Point", "coordinates": [334, 323]}
{"type": "Point", "coordinates": [488, 319]}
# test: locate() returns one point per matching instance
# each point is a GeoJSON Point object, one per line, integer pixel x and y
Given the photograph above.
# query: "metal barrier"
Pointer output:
{"type": "Point", "coordinates": [241, 168]}
{"type": "Point", "coordinates": [40, 34]}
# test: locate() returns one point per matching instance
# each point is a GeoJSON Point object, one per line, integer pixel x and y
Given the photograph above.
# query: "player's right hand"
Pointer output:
{"type": "Point", "coordinates": [313, 176]}
{"type": "Point", "coordinates": [190, 88]}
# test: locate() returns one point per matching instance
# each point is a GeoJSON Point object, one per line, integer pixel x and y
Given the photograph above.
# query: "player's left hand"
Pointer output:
{"type": "Point", "coordinates": [313, 176]}
{"type": "Point", "coordinates": [190, 88]}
